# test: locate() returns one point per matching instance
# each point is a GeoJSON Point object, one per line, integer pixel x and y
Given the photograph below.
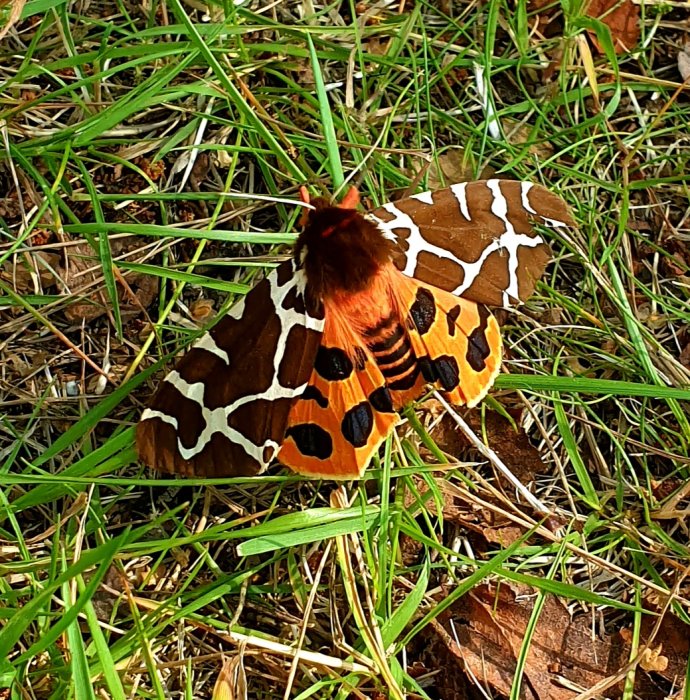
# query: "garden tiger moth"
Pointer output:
{"type": "Point", "coordinates": [312, 365]}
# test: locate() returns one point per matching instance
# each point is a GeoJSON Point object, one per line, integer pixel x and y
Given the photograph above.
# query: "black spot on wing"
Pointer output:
{"type": "Point", "coordinates": [447, 372]}
{"type": "Point", "coordinates": [423, 311]}
{"type": "Point", "coordinates": [452, 318]}
{"type": "Point", "coordinates": [426, 367]}
{"type": "Point", "coordinates": [357, 424]}
{"type": "Point", "coordinates": [381, 400]}
{"type": "Point", "coordinates": [478, 349]}
{"type": "Point", "coordinates": [311, 393]}
{"type": "Point", "coordinates": [311, 440]}
{"type": "Point", "coordinates": [441, 370]}
{"type": "Point", "coordinates": [333, 364]}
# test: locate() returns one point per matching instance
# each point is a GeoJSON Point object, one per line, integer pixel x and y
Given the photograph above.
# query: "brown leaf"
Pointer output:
{"type": "Point", "coordinates": [622, 18]}
{"type": "Point", "coordinates": [653, 660]}
{"type": "Point", "coordinates": [82, 268]}
{"type": "Point", "coordinates": [231, 683]}
{"type": "Point", "coordinates": [684, 357]}
{"type": "Point", "coordinates": [492, 526]}
{"type": "Point", "coordinates": [684, 62]}
{"type": "Point", "coordinates": [490, 625]}
{"type": "Point", "coordinates": [513, 447]}
{"type": "Point", "coordinates": [484, 632]}
{"type": "Point", "coordinates": [519, 134]}
{"type": "Point", "coordinates": [454, 166]}
{"type": "Point", "coordinates": [32, 273]}
{"type": "Point", "coordinates": [673, 641]}
{"type": "Point", "coordinates": [201, 309]}
{"type": "Point", "coordinates": [442, 656]}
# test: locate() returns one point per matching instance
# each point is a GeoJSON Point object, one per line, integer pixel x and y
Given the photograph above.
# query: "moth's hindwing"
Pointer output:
{"type": "Point", "coordinates": [476, 239]}
{"type": "Point", "coordinates": [223, 410]}
{"type": "Point", "coordinates": [349, 406]}
{"type": "Point", "coordinates": [457, 343]}
{"type": "Point", "coordinates": [342, 417]}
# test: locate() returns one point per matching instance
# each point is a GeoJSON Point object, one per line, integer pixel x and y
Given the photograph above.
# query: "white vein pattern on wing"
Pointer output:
{"type": "Point", "coordinates": [509, 241]}
{"type": "Point", "coordinates": [216, 420]}
{"type": "Point", "coordinates": [525, 187]}
{"type": "Point", "coordinates": [425, 197]}
{"type": "Point", "coordinates": [416, 243]}
{"type": "Point", "coordinates": [149, 413]}
{"type": "Point", "coordinates": [460, 192]}
{"type": "Point", "coordinates": [207, 342]}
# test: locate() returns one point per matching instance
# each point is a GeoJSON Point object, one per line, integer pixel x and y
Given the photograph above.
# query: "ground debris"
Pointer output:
{"type": "Point", "coordinates": [509, 442]}
{"type": "Point", "coordinates": [486, 525]}
{"type": "Point", "coordinates": [482, 634]}
{"type": "Point", "coordinates": [622, 19]}
{"type": "Point", "coordinates": [684, 62]}
{"type": "Point", "coordinates": [81, 270]}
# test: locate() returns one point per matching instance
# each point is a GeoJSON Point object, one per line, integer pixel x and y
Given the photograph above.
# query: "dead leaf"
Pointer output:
{"type": "Point", "coordinates": [9, 207]}
{"type": "Point", "coordinates": [684, 357]}
{"type": "Point", "coordinates": [623, 19]}
{"type": "Point", "coordinates": [489, 625]}
{"type": "Point", "coordinates": [492, 526]}
{"type": "Point", "coordinates": [232, 681]}
{"type": "Point", "coordinates": [483, 633]}
{"type": "Point", "coordinates": [453, 166]}
{"type": "Point", "coordinates": [24, 273]}
{"type": "Point", "coordinates": [519, 134]}
{"type": "Point", "coordinates": [201, 309]}
{"type": "Point", "coordinates": [82, 269]}
{"type": "Point", "coordinates": [513, 447]}
{"type": "Point", "coordinates": [684, 62]}
{"type": "Point", "coordinates": [440, 657]}
{"type": "Point", "coordinates": [673, 639]}
{"type": "Point", "coordinates": [654, 660]}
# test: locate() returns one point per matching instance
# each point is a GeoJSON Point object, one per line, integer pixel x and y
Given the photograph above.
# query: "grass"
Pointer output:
{"type": "Point", "coordinates": [165, 142]}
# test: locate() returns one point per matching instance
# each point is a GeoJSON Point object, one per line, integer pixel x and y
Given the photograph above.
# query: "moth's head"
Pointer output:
{"type": "Point", "coordinates": [339, 249]}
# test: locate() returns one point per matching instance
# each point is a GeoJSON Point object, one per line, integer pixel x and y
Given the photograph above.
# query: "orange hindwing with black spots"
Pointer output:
{"type": "Point", "coordinates": [312, 365]}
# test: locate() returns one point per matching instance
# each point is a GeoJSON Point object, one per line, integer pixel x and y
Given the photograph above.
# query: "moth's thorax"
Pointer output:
{"type": "Point", "coordinates": [356, 318]}
{"type": "Point", "coordinates": [340, 251]}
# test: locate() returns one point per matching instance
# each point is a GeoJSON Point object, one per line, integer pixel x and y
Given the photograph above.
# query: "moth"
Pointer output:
{"type": "Point", "coordinates": [312, 365]}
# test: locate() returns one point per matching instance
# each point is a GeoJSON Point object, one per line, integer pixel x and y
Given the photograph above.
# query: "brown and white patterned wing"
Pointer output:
{"type": "Point", "coordinates": [224, 409]}
{"type": "Point", "coordinates": [475, 239]}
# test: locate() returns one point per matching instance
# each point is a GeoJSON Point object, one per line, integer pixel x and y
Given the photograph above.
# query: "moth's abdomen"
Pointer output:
{"type": "Point", "coordinates": [431, 337]}
{"type": "Point", "coordinates": [393, 353]}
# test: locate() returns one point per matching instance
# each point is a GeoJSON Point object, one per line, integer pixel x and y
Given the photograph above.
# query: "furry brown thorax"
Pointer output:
{"type": "Point", "coordinates": [340, 250]}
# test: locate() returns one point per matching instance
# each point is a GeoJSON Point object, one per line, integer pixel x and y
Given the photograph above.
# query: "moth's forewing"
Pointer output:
{"type": "Point", "coordinates": [224, 408]}
{"type": "Point", "coordinates": [476, 240]}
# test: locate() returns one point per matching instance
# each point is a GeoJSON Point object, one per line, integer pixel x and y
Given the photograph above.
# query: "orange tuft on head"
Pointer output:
{"type": "Point", "coordinates": [304, 197]}
{"type": "Point", "coordinates": [351, 199]}
{"type": "Point", "coordinates": [304, 194]}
